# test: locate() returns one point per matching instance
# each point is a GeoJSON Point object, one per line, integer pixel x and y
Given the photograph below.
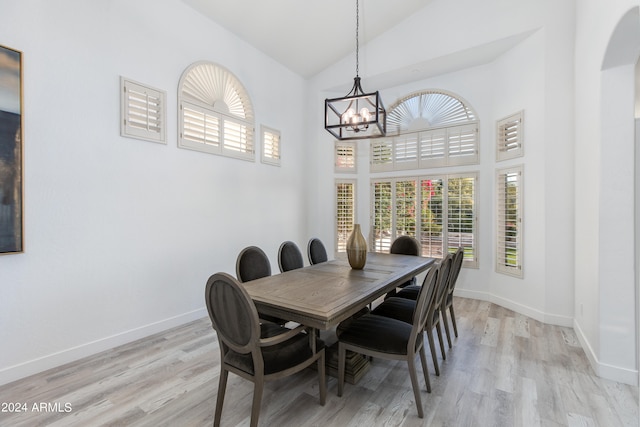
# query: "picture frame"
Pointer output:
{"type": "Point", "coordinates": [11, 152]}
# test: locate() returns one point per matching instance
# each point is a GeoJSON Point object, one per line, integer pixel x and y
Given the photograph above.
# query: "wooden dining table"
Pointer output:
{"type": "Point", "coordinates": [321, 296]}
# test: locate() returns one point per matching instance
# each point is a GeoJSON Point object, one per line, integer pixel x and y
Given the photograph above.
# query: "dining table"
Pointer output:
{"type": "Point", "coordinates": [323, 295]}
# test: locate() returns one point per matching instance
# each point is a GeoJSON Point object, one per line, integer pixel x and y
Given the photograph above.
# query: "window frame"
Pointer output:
{"type": "Point", "coordinates": [209, 90]}
{"type": "Point", "coordinates": [265, 156]}
{"type": "Point", "coordinates": [510, 137]}
{"type": "Point", "coordinates": [394, 230]}
{"type": "Point", "coordinates": [133, 113]}
{"type": "Point", "coordinates": [502, 234]}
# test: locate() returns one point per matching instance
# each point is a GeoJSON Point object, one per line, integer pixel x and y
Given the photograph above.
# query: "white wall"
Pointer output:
{"type": "Point", "coordinates": [604, 200]}
{"type": "Point", "coordinates": [121, 234]}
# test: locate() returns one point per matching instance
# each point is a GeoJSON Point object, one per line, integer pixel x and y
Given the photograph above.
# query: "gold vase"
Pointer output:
{"type": "Point", "coordinates": [357, 249]}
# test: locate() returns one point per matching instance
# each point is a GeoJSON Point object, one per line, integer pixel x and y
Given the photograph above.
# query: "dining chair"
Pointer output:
{"type": "Point", "coordinates": [447, 300]}
{"type": "Point", "coordinates": [389, 338]}
{"type": "Point", "coordinates": [256, 351]}
{"type": "Point", "coordinates": [404, 245]}
{"type": "Point", "coordinates": [316, 251]}
{"type": "Point", "coordinates": [252, 264]}
{"type": "Point", "coordinates": [289, 257]}
{"type": "Point", "coordinates": [401, 308]}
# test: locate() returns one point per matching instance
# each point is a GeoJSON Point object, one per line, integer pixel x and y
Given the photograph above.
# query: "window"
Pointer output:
{"type": "Point", "coordinates": [345, 157]}
{"type": "Point", "coordinates": [142, 111]}
{"type": "Point", "coordinates": [509, 221]}
{"type": "Point", "coordinates": [510, 137]}
{"type": "Point", "coordinates": [431, 129]}
{"type": "Point", "coordinates": [270, 146]}
{"type": "Point", "coordinates": [439, 211]}
{"type": "Point", "coordinates": [345, 212]}
{"type": "Point", "coordinates": [215, 112]}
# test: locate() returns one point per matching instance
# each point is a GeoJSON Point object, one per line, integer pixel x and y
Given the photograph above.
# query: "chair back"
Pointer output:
{"type": "Point", "coordinates": [316, 251]}
{"type": "Point", "coordinates": [443, 281]}
{"type": "Point", "coordinates": [426, 298]}
{"type": "Point", "coordinates": [456, 265]}
{"type": "Point", "coordinates": [405, 245]}
{"type": "Point", "coordinates": [252, 264]}
{"type": "Point", "coordinates": [233, 313]}
{"type": "Point", "coordinates": [289, 257]}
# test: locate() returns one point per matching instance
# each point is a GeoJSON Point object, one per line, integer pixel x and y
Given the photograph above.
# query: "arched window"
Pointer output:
{"type": "Point", "coordinates": [215, 112]}
{"type": "Point", "coordinates": [427, 129]}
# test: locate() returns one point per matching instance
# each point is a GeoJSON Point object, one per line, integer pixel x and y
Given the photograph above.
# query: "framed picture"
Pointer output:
{"type": "Point", "coordinates": [11, 152]}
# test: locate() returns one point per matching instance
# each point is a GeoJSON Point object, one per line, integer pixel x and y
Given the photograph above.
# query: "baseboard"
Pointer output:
{"type": "Point", "coordinates": [552, 319]}
{"type": "Point", "coordinates": [31, 367]}
{"type": "Point", "coordinates": [613, 373]}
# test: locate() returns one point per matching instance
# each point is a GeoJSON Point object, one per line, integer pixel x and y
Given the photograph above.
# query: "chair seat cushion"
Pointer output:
{"type": "Point", "coordinates": [409, 292]}
{"type": "Point", "coordinates": [379, 333]}
{"type": "Point", "coordinates": [277, 357]}
{"type": "Point", "coordinates": [396, 308]}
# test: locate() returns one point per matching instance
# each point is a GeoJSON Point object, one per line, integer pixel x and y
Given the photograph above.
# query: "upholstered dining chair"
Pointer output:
{"type": "Point", "coordinates": [402, 308]}
{"type": "Point", "coordinates": [252, 264]}
{"type": "Point", "coordinates": [447, 300]}
{"type": "Point", "coordinates": [289, 257]}
{"type": "Point", "coordinates": [256, 351]}
{"type": "Point", "coordinates": [316, 251]}
{"type": "Point", "coordinates": [404, 245]}
{"type": "Point", "coordinates": [389, 338]}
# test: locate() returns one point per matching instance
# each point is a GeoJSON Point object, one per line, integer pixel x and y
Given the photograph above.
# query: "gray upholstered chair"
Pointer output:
{"type": "Point", "coordinates": [289, 257]}
{"type": "Point", "coordinates": [389, 338]}
{"type": "Point", "coordinates": [256, 351]}
{"type": "Point", "coordinates": [447, 301]}
{"type": "Point", "coordinates": [316, 251]}
{"type": "Point", "coordinates": [404, 245]}
{"type": "Point", "coordinates": [401, 308]}
{"type": "Point", "coordinates": [252, 264]}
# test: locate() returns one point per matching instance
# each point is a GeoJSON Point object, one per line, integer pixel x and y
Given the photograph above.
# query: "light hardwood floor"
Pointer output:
{"type": "Point", "coordinates": [504, 370]}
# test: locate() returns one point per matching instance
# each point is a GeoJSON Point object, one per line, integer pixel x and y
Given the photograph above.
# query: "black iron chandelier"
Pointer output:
{"type": "Point", "coordinates": [357, 115]}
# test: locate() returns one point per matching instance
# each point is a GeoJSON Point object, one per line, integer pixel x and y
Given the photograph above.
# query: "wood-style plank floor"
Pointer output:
{"type": "Point", "coordinates": [504, 370]}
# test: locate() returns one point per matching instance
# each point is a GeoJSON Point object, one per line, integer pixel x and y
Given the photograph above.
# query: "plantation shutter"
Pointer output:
{"type": "Point", "coordinates": [345, 157]}
{"type": "Point", "coordinates": [509, 222]}
{"type": "Point", "coordinates": [462, 142]}
{"type": "Point", "coordinates": [381, 155]}
{"type": "Point", "coordinates": [345, 213]}
{"type": "Point", "coordinates": [461, 216]}
{"type": "Point", "coordinates": [431, 217]}
{"type": "Point", "coordinates": [510, 134]}
{"type": "Point", "coordinates": [405, 208]}
{"type": "Point", "coordinates": [142, 112]}
{"type": "Point", "coordinates": [382, 216]}
{"type": "Point", "coordinates": [270, 146]}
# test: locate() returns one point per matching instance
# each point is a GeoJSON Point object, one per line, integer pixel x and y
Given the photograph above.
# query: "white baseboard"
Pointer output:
{"type": "Point", "coordinates": [613, 373]}
{"type": "Point", "coordinates": [31, 367]}
{"type": "Point", "coordinates": [552, 319]}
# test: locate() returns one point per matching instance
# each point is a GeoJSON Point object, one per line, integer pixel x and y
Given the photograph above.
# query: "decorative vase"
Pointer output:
{"type": "Point", "coordinates": [357, 249]}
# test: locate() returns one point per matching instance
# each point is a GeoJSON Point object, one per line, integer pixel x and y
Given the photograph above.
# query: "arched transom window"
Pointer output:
{"type": "Point", "coordinates": [427, 129]}
{"type": "Point", "coordinates": [215, 112]}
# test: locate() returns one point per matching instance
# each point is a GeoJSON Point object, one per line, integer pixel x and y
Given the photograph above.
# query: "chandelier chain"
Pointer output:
{"type": "Point", "coordinates": [357, 38]}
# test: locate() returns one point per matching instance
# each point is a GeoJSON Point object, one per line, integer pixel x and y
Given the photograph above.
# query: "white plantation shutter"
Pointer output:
{"type": "Point", "coordinates": [142, 111]}
{"type": "Point", "coordinates": [345, 212]}
{"type": "Point", "coordinates": [381, 155]}
{"type": "Point", "coordinates": [439, 211]}
{"type": "Point", "coordinates": [510, 137]}
{"type": "Point", "coordinates": [270, 146]}
{"type": "Point", "coordinates": [462, 145]}
{"type": "Point", "coordinates": [432, 147]}
{"type": "Point", "coordinates": [382, 215]}
{"type": "Point", "coordinates": [345, 157]}
{"type": "Point", "coordinates": [406, 152]}
{"type": "Point", "coordinates": [216, 115]}
{"type": "Point", "coordinates": [509, 210]}
{"type": "Point", "coordinates": [406, 197]}
{"type": "Point", "coordinates": [432, 217]}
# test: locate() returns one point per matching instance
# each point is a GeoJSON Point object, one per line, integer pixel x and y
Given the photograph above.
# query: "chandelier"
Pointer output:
{"type": "Point", "coordinates": [357, 115]}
